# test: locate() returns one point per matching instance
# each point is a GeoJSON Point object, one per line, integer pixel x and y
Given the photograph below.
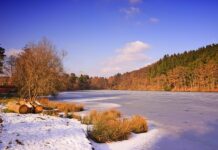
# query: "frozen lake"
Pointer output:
{"type": "Point", "coordinates": [190, 120]}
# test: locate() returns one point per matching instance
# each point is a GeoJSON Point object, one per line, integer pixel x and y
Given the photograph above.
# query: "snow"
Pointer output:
{"type": "Point", "coordinates": [95, 99]}
{"type": "Point", "coordinates": [36, 131]}
{"type": "Point", "coordinates": [40, 132]}
{"type": "Point", "coordinates": [142, 141]}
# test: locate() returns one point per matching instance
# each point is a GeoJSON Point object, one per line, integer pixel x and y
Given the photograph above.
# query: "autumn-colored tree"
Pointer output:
{"type": "Point", "coordinates": [37, 70]}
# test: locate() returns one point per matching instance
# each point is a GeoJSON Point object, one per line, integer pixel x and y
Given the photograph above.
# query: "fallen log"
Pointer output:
{"type": "Point", "coordinates": [30, 107]}
{"type": "Point", "coordinates": [38, 108]}
{"type": "Point", "coordinates": [16, 107]}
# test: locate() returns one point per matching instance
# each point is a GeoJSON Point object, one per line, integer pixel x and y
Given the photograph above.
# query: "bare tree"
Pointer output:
{"type": "Point", "coordinates": [37, 70]}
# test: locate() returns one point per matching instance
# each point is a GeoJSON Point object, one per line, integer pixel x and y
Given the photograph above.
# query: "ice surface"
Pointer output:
{"type": "Point", "coordinates": [189, 119]}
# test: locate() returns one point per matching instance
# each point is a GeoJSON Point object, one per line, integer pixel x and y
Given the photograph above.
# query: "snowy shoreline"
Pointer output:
{"type": "Point", "coordinates": [37, 131]}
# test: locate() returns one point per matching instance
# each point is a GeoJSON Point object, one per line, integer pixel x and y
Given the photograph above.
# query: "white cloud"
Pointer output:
{"type": "Point", "coordinates": [135, 1]}
{"type": "Point", "coordinates": [12, 52]}
{"type": "Point", "coordinates": [131, 11]}
{"type": "Point", "coordinates": [127, 58]}
{"type": "Point", "coordinates": [153, 20]}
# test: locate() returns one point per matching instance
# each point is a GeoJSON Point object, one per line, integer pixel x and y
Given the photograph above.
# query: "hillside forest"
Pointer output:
{"type": "Point", "coordinates": [194, 70]}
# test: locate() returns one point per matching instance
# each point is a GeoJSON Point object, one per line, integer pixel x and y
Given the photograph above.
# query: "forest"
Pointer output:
{"type": "Point", "coordinates": [194, 70]}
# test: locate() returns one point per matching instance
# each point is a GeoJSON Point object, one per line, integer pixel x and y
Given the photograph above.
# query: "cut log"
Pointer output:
{"type": "Point", "coordinates": [30, 107]}
{"type": "Point", "coordinates": [16, 107]}
{"type": "Point", "coordinates": [38, 108]}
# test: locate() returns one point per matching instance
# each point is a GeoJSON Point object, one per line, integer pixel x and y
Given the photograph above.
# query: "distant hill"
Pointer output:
{"type": "Point", "coordinates": [195, 70]}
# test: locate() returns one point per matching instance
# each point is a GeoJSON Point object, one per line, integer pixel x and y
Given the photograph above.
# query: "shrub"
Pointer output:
{"type": "Point", "coordinates": [104, 130]}
{"type": "Point", "coordinates": [138, 124]}
{"type": "Point", "coordinates": [112, 114]}
{"type": "Point", "coordinates": [107, 126]}
{"type": "Point", "coordinates": [94, 116]}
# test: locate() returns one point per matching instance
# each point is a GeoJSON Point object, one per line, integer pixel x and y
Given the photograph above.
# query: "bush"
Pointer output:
{"type": "Point", "coordinates": [62, 106]}
{"type": "Point", "coordinates": [107, 126]}
{"type": "Point", "coordinates": [112, 114]}
{"type": "Point", "coordinates": [104, 130]}
{"type": "Point", "coordinates": [94, 116]}
{"type": "Point", "coordinates": [138, 124]}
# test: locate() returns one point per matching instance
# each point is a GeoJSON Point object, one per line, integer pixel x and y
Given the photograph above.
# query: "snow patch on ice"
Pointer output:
{"type": "Point", "coordinates": [142, 141]}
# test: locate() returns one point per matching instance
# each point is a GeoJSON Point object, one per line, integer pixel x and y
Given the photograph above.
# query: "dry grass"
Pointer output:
{"type": "Point", "coordinates": [138, 124]}
{"type": "Point", "coordinates": [77, 117]}
{"type": "Point", "coordinates": [4, 101]}
{"type": "Point", "coordinates": [62, 106]}
{"type": "Point", "coordinates": [94, 116]}
{"type": "Point", "coordinates": [110, 130]}
{"type": "Point", "coordinates": [107, 126]}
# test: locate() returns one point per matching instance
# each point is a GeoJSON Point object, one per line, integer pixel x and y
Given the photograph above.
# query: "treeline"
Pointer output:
{"type": "Point", "coordinates": [38, 70]}
{"type": "Point", "coordinates": [71, 82]}
{"type": "Point", "coordinates": [195, 70]}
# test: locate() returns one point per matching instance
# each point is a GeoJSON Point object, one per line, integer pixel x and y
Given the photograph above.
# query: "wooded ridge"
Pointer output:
{"type": "Point", "coordinates": [195, 70]}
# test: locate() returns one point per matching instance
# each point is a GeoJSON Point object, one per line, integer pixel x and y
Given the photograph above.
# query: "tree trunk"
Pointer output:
{"type": "Point", "coordinates": [38, 108]}
{"type": "Point", "coordinates": [16, 107]}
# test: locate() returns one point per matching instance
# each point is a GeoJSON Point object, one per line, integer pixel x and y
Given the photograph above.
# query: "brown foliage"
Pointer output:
{"type": "Point", "coordinates": [37, 70]}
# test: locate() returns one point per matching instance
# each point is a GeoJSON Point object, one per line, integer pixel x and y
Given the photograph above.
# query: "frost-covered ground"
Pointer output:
{"type": "Point", "coordinates": [41, 132]}
{"type": "Point", "coordinates": [38, 132]}
{"type": "Point", "coordinates": [189, 119]}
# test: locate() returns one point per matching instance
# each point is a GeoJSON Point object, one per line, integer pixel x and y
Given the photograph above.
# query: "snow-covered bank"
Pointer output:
{"type": "Point", "coordinates": [38, 132]}
{"type": "Point", "coordinates": [142, 141]}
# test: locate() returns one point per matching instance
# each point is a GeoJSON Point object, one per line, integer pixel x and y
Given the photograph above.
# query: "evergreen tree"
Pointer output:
{"type": "Point", "coordinates": [2, 56]}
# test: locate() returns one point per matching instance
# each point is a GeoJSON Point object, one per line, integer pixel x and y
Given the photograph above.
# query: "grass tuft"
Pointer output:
{"type": "Point", "coordinates": [138, 124]}
{"type": "Point", "coordinates": [110, 130]}
{"type": "Point", "coordinates": [107, 126]}
{"type": "Point", "coordinates": [94, 116]}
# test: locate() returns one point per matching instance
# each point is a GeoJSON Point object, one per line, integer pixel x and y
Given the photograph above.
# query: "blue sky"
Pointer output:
{"type": "Point", "coordinates": [103, 37]}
